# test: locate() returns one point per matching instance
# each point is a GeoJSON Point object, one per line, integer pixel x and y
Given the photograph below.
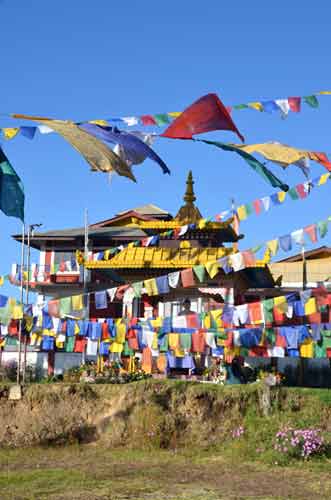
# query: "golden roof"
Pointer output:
{"type": "Point", "coordinates": [173, 224]}
{"type": "Point", "coordinates": [158, 257]}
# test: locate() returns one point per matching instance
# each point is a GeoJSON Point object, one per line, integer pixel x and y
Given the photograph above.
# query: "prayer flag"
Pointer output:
{"type": "Point", "coordinates": [147, 120]}
{"type": "Point", "coordinates": [11, 190]}
{"type": "Point", "coordinates": [272, 245]}
{"type": "Point", "coordinates": [257, 206]}
{"type": "Point", "coordinates": [283, 105]}
{"type": "Point", "coordinates": [204, 115]}
{"type": "Point", "coordinates": [293, 193]}
{"type": "Point", "coordinates": [311, 231]}
{"type": "Point", "coordinates": [255, 105]}
{"type": "Point", "coordinates": [285, 242]}
{"type": "Point", "coordinates": [10, 133]}
{"type": "Point", "coordinates": [322, 228]}
{"type": "Point", "coordinates": [187, 277]}
{"type": "Point", "coordinates": [200, 272]}
{"type": "Point", "coordinates": [133, 145]}
{"type": "Point", "coordinates": [269, 106]}
{"type": "Point", "coordinates": [28, 132]}
{"type": "Point", "coordinates": [252, 162]}
{"type": "Point", "coordinates": [298, 237]}
{"type": "Point", "coordinates": [212, 268]}
{"type": "Point", "coordinates": [95, 152]}
{"type": "Point", "coordinates": [295, 104]}
{"type": "Point", "coordinates": [323, 179]}
{"type": "Point", "coordinates": [311, 100]}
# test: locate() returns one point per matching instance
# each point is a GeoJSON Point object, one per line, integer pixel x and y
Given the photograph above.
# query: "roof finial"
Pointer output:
{"type": "Point", "coordinates": [189, 194]}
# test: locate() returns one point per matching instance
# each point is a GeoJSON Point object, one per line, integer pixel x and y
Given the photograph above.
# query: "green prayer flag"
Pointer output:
{"type": "Point", "coordinates": [322, 228]}
{"type": "Point", "coordinates": [293, 193]}
{"type": "Point", "coordinates": [70, 344]}
{"type": "Point", "coordinates": [161, 119]}
{"type": "Point", "coordinates": [240, 106]}
{"type": "Point", "coordinates": [249, 208]}
{"type": "Point", "coordinates": [127, 351]}
{"type": "Point", "coordinates": [185, 340]}
{"type": "Point", "coordinates": [311, 100]}
{"type": "Point", "coordinates": [252, 162]}
{"type": "Point", "coordinates": [11, 190]}
{"type": "Point", "coordinates": [65, 306]}
{"type": "Point", "coordinates": [256, 248]}
{"type": "Point", "coordinates": [137, 287]}
{"type": "Point", "coordinates": [200, 272]}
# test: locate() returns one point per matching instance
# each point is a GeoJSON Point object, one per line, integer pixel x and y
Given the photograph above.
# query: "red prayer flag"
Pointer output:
{"type": "Point", "coordinates": [249, 258]}
{"type": "Point", "coordinates": [148, 120]}
{"type": "Point", "coordinates": [206, 114]}
{"type": "Point", "coordinates": [187, 277]}
{"type": "Point", "coordinates": [300, 189]}
{"type": "Point", "coordinates": [322, 159]}
{"type": "Point", "coordinates": [311, 231]}
{"type": "Point", "coordinates": [295, 104]}
{"type": "Point", "coordinates": [257, 204]}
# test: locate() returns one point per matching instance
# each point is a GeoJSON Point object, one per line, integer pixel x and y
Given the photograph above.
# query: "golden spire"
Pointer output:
{"type": "Point", "coordinates": [189, 194]}
{"type": "Point", "coordinates": [189, 213]}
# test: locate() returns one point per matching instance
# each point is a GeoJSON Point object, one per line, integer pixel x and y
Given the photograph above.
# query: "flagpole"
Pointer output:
{"type": "Point", "coordinates": [235, 245]}
{"type": "Point", "coordinates": [304, 268]}
{"type": "Point", "coordinates": [26, 299]}
{"type": "Point", "coordinates": [21, 300]}
{"type": "Point", "coordinates": [85, 275]}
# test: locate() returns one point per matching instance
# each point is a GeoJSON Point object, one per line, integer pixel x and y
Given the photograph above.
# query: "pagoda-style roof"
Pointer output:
{"type": "Point", "coordinates": [160, 257]}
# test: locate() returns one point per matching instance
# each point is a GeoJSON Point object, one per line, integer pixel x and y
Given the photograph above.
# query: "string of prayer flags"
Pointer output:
{"type": "Point", "coordinates": [284, 106]}
{"type": "Point", "coordinates": [257, 207]}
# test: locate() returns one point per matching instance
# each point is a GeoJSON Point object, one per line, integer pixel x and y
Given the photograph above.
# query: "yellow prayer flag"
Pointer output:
{"type": "Point", "coordinates": [324, 92]}
{"type": "Point", "coordinates": [323, 178]}
{"type": "Point", "coordinates": [157, 322]}
{"type": "Point", "coordinates": [207, 322]}
{"type": "Point", "coordinates": [212, 268]}
{"type": "Point", "coordinates": [173, 341]}
{"type": "Point", "coordinates": [255, 105]}
{"type": "Point", "coordinates": [155, 341]}
{"type": "Point", "coordinates": [151, 287]}
{"type": "Point", "coordinates": [17, 312]}
{"type": "Point", "coordinates": [102, 123]}
{"type": "Point", "coordinates": [179, 352]}
{"type": "Point", "coordinates": [272, 245]}
{"type": "Point", "coordinates": [120, 332]}
{"type": "Point", "coordinates": [242, 213]}
{"type": "Point", "coordinates": [2, 279]}
{"type": "Point", "coordinates": [281, 304]}
{"type": "Point", "coordinates": [307, 348]}
{"type": "Point", "coordinates": [76, 329]}
{"type": "Point", "coordinates": [116, 347]}
{"type": "Point", "coordinates": [77, 302]}
{"type": "Point", "coordinates": [10, 133]}
{"type": "Point", "coordinates": [310, 306]}
{"type": "Point", "coordinates": [281, 196]}
{"type": "Point", "coordinates": [174, 114]}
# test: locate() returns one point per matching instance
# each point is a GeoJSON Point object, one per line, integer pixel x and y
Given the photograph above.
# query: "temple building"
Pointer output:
{"type": "Point", "coordinates": [174, 249]}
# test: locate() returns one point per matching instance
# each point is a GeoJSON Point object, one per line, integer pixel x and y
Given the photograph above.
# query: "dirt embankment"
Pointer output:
{"type": "Point", "coordinates": [149, 413]}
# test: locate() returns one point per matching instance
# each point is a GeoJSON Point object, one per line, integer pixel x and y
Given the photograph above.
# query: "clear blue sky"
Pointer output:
{"type": "Point", "coordinates": [84, 60]}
